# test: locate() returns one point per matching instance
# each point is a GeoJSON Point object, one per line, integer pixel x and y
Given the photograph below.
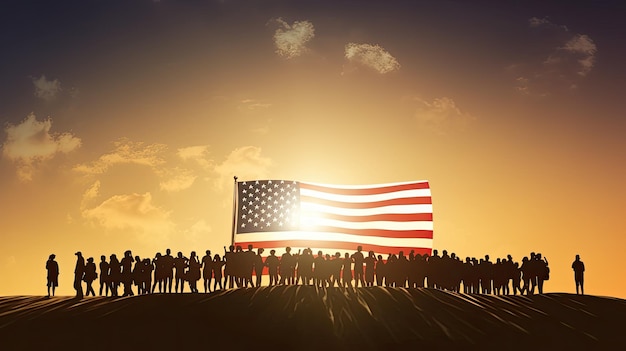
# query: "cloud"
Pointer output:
{"type": "Point", "coordinates": [134, 212]}
{"type": "Point", "coordinates": [585, 49]}
{"type": "Point", "coordinates": [198, 154]}
{"type": "Point", "coordinates": [372, 56]}
{"type": "Point", "coordinates": [563, 60]}
{"type": "Point", "coordinates": [290, 39]}
{"type": "Point", "coordinates": [441, 115]}
{"type": "Point", "coordinates": [535, 22]}
{"type": "Point", "coordinates": [91, 193]}
{"type": "Point", "coordinates": [31, 143]}
{"type": "Point", "coordinates": [252, 105]}
{"type": "Point", "coordinates": [126, 152]}
{"type": "Point", "coordinates": [46, 89]}
{"type": "Point", "coordinates": [199, 230]}
{"type": "Point", "coordinates": [244, 162]}
{"type": "Point", "coordinates": [180, 180]}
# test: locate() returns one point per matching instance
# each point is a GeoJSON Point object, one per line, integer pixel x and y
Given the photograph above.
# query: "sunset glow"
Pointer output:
{"type": "Point", "coordinates": [124, 122]}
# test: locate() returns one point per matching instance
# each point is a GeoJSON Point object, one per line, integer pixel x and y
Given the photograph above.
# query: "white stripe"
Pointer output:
{"type": "Point", "coordinates": [308, 207]}
{"type": "Point", "coordinates": [365, 186]}
{"type": "Point", "coordinates": [384, 225]}
{"type": "Point", "coordinates": [365, 198]}
{"type": "Point", "coordinates": [324, 236]}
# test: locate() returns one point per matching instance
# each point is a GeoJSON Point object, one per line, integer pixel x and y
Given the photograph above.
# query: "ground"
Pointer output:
{"type": "Point", "coordinates": [298, 317]}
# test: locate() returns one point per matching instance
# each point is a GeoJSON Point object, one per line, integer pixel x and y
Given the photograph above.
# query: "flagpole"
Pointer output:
{"type": "Point", "coordinates": [232, 237]}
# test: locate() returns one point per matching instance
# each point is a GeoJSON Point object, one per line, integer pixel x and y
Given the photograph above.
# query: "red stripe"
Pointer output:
{"type": "Point", "coordinates": [383, 233]}
{"type": "Point", "coordinates": [333, 245]}
{"type": "Point", "coordinates": [366, 191]}
{"type": "Point", "coordinates": [408, 234]}
{"type": "Point", "coordinates": [422, 200]}
{"type": "Point", "coordinates": [393, 217]}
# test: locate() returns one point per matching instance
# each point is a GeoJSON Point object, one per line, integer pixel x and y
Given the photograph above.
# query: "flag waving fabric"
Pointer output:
{"type": "Point", "coordinates": [384, 218]}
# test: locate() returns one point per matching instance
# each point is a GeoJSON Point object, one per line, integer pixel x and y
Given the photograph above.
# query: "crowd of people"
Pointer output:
{"type": "Point", "coordinates": [239, 268]}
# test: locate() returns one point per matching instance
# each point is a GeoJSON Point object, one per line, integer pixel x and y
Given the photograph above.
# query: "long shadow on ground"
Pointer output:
{"type": "Point", "coordinates": [304, 317]}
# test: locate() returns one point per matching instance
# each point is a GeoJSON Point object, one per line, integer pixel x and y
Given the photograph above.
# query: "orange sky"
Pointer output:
{"type": "Point", "coordinates": [124, 123]}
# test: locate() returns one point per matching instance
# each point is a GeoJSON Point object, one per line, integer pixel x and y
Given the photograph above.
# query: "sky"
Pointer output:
{"type": "Point", "coordinates": [124, 122]}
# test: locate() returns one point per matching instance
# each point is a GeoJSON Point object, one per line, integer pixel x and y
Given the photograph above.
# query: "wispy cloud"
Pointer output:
{"type": "Point", "coordinates": [126, 152]}
{"type": "Point", "coordinates": [584, 49]}
{"type": "Point", "coordinates": [133, 212]}
{"type": "Point", "coordinates": [31, 143]}
{"type": "Point", "coordinates": [252, 105]}
{"type": "Point", "coordinates": [290, 39]}
{"type": "Point", "coordinates": [245, 162]}
{"type": "Point", "coordinates": [536, 22]}
{"type": "Point", "coordinates": [178, 179]}
{"type": "Point", "coordinates": [46, 89]}
{"type": "Point", "coordinates": [198, 154]}
{"type": "Point", "coordinates": [441, 115]}
{"type": "Point", "coordinates": [199, 230]}
{"type": "Point", "coordinates": [371, 56]}
{"type": "Point", "coordinates": [567, 58]}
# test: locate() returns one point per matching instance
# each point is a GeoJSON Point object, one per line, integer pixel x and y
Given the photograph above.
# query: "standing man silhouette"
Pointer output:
{"type": "Point", "coordinates": [53, 273]}
{"type": "Point", "coordinates": [358, 260]}
{"type": "Point", "coordinates": [579, 270]}
{"type": "Point", "coordinates": [78, 274]}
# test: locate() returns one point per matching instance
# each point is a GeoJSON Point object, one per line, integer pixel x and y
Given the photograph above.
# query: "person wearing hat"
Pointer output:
{"type": "Point", "coordinates": [53, 273]}
{"type": "Point", "coordinates": [78, 274]}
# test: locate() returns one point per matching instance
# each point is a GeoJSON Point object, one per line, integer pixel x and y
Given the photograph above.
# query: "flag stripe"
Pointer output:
{"type": "Point", "coordinates": [383, 233]}
{"type": "Point", "coordinates": [363, 189]}
{"type": "Point", "coordinates": [314, 237]}
{"type": "Point", "coordinates": [388, 225]}
{"type": "Point", "coordinates": [427, 234]}
{"type": "Point", "coordinates": [368, 204]}
{"type": "Point", "coordinates": [397, 217]}
{"type": "Point", "coordinates": [365, 197]}
{"type": "Point", "coordinates": [311, 207]}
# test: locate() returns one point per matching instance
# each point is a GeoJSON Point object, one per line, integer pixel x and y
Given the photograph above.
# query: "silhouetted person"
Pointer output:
{"type": "Point", "coordinates": [380, 271]}
{"type": "Point", "coordinates": [168, 270]}
{"type": "Point", "coordinates": [193, 275]}
{"type": "Point", "coordinates": [79, 270]}
{"type": "Point", "coordinates": [516, 279]}
{"type": "Point", "coordinates": [272, 264]}
{"type": "Point", "coordinates": [115, 274]}
{"type": "Point", "coordinates": [229, 267]}
{"type": "Point", "coordinates": [305, 266]}
{"type": "Point", "coordinates": [53, 274]}
{"type": "Point", "coordinates": [532, 273]}
{"type": "Point", "coordinates": [347, 271]}
{"type": "Point", "coordinates": [335, 268]}
{"type": "Point", "coordinates": [543, 272]}
{"type": "Point", "coordinates": [258, 266]}
{"type": "Point", "coordinates": [104, 276]}
{"type": "Point", "coordinates": [90, 275]}
{"type": "Point", "coordinates": [249, 257]}
{"type": "Point", "coordinates": [525, 269]}
{"type": "Point", "coordinates": [285, 266]}
{"type": "Point", "coordinates": [370, 262]}
{"type": "Point", "coordinates": [159, 275]}
{"type": "Point", "coordinates": [146, 273]}
{"type": "Point", "coordinates": [127, 276]}
{"type": "Point", "coordinates": [207, 271]}
{"type": "Point", "coordinates": [218, 263]}
{"type": "Point", "coordinates": [579, 274]}
{"type": "Point", "coordinates": [180, 264]}
{"type": "Point", "coordinates": [358, 260]}
{"type": "Point", "coordinates": [137, 276]}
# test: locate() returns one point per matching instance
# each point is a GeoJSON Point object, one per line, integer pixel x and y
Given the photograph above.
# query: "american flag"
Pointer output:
{"type": "Point", "coordinates": [384, 218]}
